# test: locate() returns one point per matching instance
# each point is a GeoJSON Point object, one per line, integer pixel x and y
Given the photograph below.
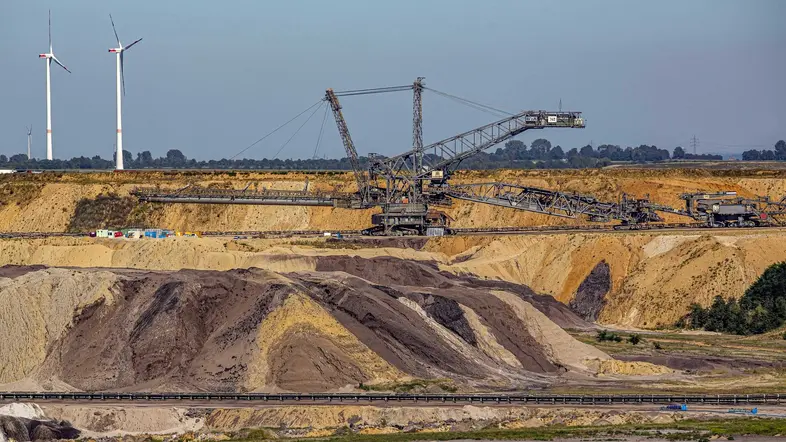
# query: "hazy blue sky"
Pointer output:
{"type": "Point", "coordinates": [211, 77]}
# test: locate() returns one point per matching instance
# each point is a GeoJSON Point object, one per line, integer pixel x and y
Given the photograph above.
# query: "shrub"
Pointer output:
{"type": "Point", "coordinates": [634, 339]}
{"type": "Point", "coordinates": [605, 335]}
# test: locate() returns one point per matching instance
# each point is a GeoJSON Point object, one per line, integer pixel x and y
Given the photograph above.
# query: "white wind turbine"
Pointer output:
{"type": "Point", "coordinates": [29, 141]}
{"type": "Point", "coordinates": [50, 56]}
{"type": "Point", "coordinates": [121, 90]}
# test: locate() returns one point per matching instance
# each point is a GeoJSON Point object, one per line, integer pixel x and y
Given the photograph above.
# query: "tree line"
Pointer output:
{"type": "Point", "coordinates": [760, 309]}
{"type": "Point", "coordinates": [515, 154]}
{"type": "Point", "coordinates": [778, 154]}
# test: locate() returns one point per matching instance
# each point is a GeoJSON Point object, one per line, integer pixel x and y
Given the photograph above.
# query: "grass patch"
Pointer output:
{"type": "Point", "coordinates": [688, 430]}
{"type": "Point", "coordinates": [418, 385]}
{"type": "Point", "coordinates": [20, 194]}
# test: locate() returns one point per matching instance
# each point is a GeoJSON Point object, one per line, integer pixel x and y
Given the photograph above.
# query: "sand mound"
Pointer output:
{"type": "Point", "coordinates": [309, 350]}
{"type": "Point", "coordinates": [38, 307]}
{"type": "Point", "coordinates": [298, 331]}
{"type": "Point", "coordinates": [560, 347]}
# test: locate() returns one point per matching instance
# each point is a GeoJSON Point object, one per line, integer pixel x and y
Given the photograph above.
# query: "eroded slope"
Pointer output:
{"type": "Point", "coordinates": [307, 330]}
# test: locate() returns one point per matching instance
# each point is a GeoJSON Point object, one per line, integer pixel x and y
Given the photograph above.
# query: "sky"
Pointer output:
{"type": "Point", "coordinates": [211, 78]}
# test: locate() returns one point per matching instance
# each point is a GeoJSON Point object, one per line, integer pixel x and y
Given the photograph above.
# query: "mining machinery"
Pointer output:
{"type": "Point", "coordinates": [726, 209]}
{"type": "Point", "coordinates": [407, 185]}
{"type": "Point", "coordinates": [407, 188]}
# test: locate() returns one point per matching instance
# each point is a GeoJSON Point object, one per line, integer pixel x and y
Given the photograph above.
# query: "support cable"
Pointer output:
{"type": "Point", "coordinates": [275, 130]}
{"type": "Point", "coordinates": [470, 103]}
{"type": "Point", "coordinates": [376, 90]}
{"type": "Point", "coordinates": [321, 131]}
{"type": "Point", "coordinates": [296, 132]}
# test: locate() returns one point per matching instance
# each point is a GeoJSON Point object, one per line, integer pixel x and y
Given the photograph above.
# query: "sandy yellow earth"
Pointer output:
{"type": "Point", "coordinates": [301, 316]}
{"type": "Point", "coordinates": [323, 421]}
{"type": "Point", "coordinates": [42, 304]}
{"type": "Point", "coordinates": [46, 203]}
{"type": "Point", "coordinates": [654, 276]}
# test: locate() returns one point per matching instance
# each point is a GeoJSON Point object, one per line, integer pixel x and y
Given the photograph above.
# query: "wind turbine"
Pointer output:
{"type": "Point", "coordinates": [121, 91]}
{"type": "Point", "coordinates": [50, 56]}
{"type": "Point", "coordinates": [29, 140]}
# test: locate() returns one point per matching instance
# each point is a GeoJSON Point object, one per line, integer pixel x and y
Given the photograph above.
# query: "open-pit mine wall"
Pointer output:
{"type": "Point", "coordinates": [53, 202]}
{"type": "Point", "coordinates": [634, 279]}
{"type": "Point", "coordinates": [643, 279]}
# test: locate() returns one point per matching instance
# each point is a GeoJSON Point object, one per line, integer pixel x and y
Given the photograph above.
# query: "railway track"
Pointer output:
{"type": "Point", "coordinates": [454, 232]}
{"type": "Point", "coordinates": [326, 398]}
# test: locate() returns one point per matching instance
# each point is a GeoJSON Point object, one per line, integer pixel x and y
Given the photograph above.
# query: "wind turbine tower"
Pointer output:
{"type": "Point", "coordinates": [50, 57]}
{"type": "Point", "coordinates": [121, 91]}
{"type": "Point", "coordinates": [29, 141]}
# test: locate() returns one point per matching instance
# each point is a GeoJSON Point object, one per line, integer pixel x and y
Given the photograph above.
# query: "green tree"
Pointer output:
{"type": "Point", "coordinates": [760, 309]}
{"type": "Point", "coordinates": [780, 150]}
{"type": "Point", "coordinates": [717, 315]}
{"type": "Point", "coordinates": [539, 148]}
{"type": "Point", "coordinates": [679, 153]}
{"type": "Point", "coordinates": [175, 158]}
{"type": "Point", "coordinates": [587, 151]}
{"type": "Point", "coordinates": [751, 155]}
{"type": "Point", "coordinates": [144, 159]}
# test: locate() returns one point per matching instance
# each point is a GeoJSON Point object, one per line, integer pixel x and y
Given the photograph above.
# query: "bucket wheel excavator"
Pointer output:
{"type": "Point", "coordinates": [407, 187]}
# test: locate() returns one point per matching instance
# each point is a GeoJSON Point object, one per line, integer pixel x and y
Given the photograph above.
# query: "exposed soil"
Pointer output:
{"type": "Point", "coordinates": [403, 243]}
{"type": "Point", "coordinates": [187, 329]}
{"type": "Point", "coordinates": [590, 297]}
{"type": "Point", "coordinates": [705, 363]}
{"type": "Point", "coordinates": [253, 329]}
{"type": "Point", "coordinates": [12, 271]}
{"type": "Point", "coordinates": [48, 202]}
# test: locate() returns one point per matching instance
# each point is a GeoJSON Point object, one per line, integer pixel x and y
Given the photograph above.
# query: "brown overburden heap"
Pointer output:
{"type": "Point", "coordinates": [352, 321]}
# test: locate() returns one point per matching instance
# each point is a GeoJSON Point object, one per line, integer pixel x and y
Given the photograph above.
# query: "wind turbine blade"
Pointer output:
{"type": "Point", "coordinates": [115, 31]}
{"type": "Point", "coordinates": [61, 64]}
{"type": "Point", "coordinates": [129, 46]}
{"type": "Point", "coordinates": [50, 31]}
{"type": "Point", "coordinates": [122, 74]}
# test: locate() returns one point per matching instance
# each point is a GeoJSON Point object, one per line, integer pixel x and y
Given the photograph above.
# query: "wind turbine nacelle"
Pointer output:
{"type": "Point", "coordinates": [114, 50]}
{"type": "Point", "coordinates": [43, 55]}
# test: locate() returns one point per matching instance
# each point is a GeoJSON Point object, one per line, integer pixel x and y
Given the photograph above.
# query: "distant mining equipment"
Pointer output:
{"type": "Point", "coordinates": [407, 186]}
{"type": "Point", "coordinates": [726, 209]}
